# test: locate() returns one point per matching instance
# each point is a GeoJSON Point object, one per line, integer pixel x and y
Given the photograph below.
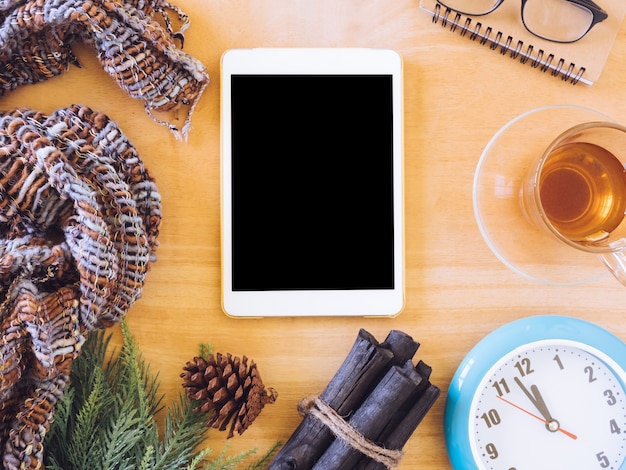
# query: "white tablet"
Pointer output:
{"type": "Point", "coordinates": [312, 200]}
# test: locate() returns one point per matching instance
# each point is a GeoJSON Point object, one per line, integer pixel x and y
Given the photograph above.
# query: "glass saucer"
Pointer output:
{"type": "Point", "coordinates": [503, 164]}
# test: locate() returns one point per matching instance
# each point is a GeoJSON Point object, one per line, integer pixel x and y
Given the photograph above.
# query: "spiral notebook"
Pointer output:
{"type": "Point", "coordinates": [502, 30]}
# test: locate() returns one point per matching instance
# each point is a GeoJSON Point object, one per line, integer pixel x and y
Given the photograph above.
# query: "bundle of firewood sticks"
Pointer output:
{"type": "Point", "coordinates": [367, 412]}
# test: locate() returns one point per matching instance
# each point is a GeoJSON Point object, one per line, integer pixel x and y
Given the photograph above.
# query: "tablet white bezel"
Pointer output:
{"type": "Point", "coordinates": [366, 302]}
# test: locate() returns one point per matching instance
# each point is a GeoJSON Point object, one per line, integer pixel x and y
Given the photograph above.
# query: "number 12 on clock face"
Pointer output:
{"type": "Point", "coordinates": [544, 405]}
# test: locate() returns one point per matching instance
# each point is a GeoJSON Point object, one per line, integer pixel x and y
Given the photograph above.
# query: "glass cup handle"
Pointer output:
{"type": "Point", "coordinates": [616, 262]}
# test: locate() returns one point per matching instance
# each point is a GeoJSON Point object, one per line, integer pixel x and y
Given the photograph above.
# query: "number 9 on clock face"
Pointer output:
{"type": "Point", "coordinates": [542, 393]}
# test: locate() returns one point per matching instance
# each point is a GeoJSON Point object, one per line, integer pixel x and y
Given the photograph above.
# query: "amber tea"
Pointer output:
{"type": "Point", "coordinates": [574, 193]}
{"type": "Point", "coordinates": [583, 191]}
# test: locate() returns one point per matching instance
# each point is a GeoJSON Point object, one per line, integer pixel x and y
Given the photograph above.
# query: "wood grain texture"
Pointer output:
{"type": "Point", "coordinates": [456, 95]}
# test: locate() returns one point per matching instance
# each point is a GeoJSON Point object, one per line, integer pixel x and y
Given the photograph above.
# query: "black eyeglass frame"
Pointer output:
{"type": "Point", "coordinates": [598, 15]}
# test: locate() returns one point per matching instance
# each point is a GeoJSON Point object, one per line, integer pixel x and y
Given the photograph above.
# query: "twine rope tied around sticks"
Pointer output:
{"type": "Point", "coordinates": [322, 411]}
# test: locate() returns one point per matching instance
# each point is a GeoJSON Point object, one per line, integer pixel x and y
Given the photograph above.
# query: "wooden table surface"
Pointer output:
{"type": "Point", "coordinates": [457, 95]}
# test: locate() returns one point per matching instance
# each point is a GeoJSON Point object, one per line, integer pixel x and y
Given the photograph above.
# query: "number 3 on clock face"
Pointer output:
{"type": "Point", "coordinates": [542, 393]}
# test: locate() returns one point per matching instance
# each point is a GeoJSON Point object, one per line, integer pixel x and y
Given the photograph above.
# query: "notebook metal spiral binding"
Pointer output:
{"type": "Point", "coordinates": [516, 50]}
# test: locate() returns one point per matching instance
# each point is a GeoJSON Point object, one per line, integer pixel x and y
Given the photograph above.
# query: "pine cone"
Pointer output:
{"type": "Point", "coordinates": [227, 388]}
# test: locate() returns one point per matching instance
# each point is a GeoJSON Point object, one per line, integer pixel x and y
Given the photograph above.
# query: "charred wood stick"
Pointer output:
{"type": "Point", "coordinates": [401, 345]}
{"type": "Point", "coordinates": [399, 418]}
{"type": "Point", "coordinates": [398, 437]}
{"type": "Point", "coordinates": [362, 368]}
{"type": "Point", "coordinates": [398, 385]}
{"type": "Point", "coordinates": [407, 418]}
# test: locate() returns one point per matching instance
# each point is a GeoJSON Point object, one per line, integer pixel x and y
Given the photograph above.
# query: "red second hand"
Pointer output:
{"type": "Point", "coordinates": [567, 433]}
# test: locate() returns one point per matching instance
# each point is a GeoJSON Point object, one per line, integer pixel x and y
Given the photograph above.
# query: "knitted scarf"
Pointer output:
{"type": "Point", "coordinates": [132, 46]}
{"type": "Point", "coordinates": [79, 213]}
{"type": "Point", "coordinates": [79, 218]}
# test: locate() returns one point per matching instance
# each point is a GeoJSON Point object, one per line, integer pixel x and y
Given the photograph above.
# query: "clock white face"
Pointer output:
{"type": "Point", "coordinates": [546, 406]}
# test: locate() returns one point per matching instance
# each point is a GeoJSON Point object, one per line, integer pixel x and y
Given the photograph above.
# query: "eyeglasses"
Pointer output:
{"type": "Point", "coordinates": [554, 20]}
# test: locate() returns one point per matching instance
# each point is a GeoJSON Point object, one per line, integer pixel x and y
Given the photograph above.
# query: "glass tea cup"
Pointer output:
{"type": "Point", "coordinates": [576, 192]}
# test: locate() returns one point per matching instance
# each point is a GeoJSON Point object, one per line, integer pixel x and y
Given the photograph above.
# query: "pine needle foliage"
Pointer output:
{"type": "Point", "coordinates": [107, 418]}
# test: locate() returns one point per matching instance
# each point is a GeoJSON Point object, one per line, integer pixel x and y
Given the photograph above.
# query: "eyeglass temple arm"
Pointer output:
{"type": "Point", "coordinates": [598, 13]}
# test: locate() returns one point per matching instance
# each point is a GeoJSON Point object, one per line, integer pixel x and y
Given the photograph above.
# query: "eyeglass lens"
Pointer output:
{"type": "Point", "coordinates": [557, 20]}
{"type": "Point", "coordinates": [472, 7]}
{"type": "Point", "coordinates": [554, 20]}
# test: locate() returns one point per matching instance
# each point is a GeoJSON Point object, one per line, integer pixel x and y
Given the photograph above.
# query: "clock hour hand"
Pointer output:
{"type": "Point", "coordinates": [535, 397]}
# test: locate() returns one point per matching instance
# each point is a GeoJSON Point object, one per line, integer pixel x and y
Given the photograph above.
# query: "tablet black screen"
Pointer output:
{"type": "Point", "coordinates": [312, 182]}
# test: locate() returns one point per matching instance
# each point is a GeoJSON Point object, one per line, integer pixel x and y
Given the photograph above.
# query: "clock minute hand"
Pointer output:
{"type": "Point", "coordinates": [535, 397]}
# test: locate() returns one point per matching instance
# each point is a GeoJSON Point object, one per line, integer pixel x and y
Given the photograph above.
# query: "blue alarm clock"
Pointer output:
{"type": "Point", "coordinates": [540, 393]}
